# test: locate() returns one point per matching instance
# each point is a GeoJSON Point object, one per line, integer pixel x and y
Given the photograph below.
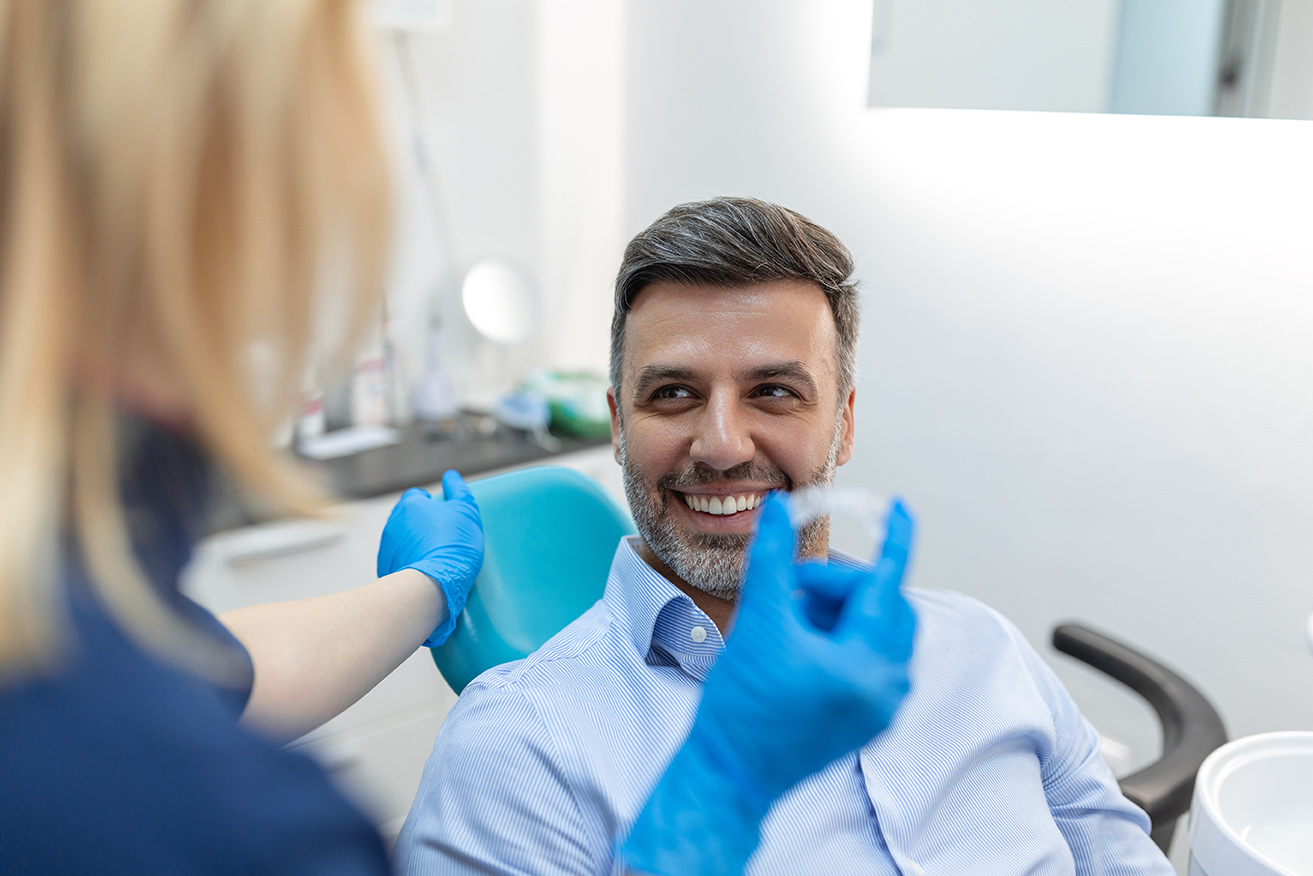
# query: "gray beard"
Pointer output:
{"type": "Point", "coordinates": [715, 564]}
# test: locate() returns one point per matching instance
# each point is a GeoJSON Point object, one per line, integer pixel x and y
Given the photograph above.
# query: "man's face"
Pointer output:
{"type": "Point", "coordinates": [725, 395]}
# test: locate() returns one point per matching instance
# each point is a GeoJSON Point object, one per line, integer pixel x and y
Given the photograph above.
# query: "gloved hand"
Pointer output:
{"type": "Point", "coordinates": [815, 666]}
{"type": "Point", "coordinates": [443, 538]}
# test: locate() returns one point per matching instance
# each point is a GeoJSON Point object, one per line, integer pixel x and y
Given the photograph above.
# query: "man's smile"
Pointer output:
{"type": "Point", "coordinates": [723, 504]}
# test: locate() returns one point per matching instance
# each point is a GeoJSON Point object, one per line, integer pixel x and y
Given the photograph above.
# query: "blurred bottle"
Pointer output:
{"type": "Point", "coordinates": [399, 409]}
{"type": "Point", "coordinates": [369, 383]}
{"type": "Point", "coordinates": [312, 421]}
{"type": "Point", "coordinates": [435, 395]}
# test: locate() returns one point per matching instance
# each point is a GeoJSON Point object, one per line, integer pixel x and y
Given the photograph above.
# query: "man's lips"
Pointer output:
{"type": "Point", "coordinates": [723, 504]}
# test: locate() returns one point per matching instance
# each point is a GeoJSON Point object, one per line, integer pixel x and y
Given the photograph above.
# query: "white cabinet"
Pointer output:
{"type": "Point", "coordinates": [377, 748]}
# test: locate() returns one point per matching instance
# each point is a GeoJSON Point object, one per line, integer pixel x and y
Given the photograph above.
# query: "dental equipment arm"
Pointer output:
{"type": "Point", "coordinates": [815, 667]}
{"type": "Point", "coordinates": [315, 657]}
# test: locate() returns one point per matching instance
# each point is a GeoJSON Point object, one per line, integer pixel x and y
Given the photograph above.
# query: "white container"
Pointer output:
{"type": "Point", "coordinates": [1252, 813]}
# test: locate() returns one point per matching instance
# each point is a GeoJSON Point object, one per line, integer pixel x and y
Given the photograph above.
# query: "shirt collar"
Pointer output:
{"type": "Point", "coordinates": [664, 624]}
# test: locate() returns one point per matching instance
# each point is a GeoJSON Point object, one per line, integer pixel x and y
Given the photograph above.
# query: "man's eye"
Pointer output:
{"type": "Point", "coordinates": [666, 393]}
{"type": "Point", "coordinates": [774, 391]}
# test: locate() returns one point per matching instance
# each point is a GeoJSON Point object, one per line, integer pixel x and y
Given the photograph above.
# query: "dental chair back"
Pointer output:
{"type": "Point", "coordinates": [549, 536]}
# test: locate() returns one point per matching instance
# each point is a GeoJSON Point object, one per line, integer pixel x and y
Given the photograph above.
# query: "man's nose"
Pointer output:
{"type": "Point", "coordinates": [723, 438]}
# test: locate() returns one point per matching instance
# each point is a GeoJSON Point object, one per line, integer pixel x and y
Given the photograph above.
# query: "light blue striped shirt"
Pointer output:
{"type": "Point", "coordinates": [988, 768]}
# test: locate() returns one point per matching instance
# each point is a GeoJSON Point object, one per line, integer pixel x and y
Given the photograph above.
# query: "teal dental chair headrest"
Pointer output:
{"type": "Point", "coordinates": [549, 536]}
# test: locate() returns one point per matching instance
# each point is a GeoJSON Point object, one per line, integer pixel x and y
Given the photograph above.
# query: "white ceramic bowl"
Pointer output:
{"type": "Point", "coordinates": [1252, 813]}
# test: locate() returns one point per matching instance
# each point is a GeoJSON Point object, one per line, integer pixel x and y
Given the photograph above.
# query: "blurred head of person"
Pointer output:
{"type": "Point", "coordinates": [194, 199]}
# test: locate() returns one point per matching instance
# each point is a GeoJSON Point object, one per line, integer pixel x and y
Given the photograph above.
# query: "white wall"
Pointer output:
{"type": "Point", "coordinates": [1087, 357]}
{"type": "Point", "coordinates": [476, 106]}
{"type": "Point", "coordinates": [580, 89]}
{"type": "Point", "coordinates": [521, 106]}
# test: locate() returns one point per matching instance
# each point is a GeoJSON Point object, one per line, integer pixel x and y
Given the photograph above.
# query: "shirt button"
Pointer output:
{"type": "Point", "coordinates": [915, 868]}
{"type": "Point", "coordinates": [698, 634]}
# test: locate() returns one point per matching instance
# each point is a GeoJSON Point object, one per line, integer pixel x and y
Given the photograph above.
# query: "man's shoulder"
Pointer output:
{"type": "Point", "coordinates": [947, 613]}
{"type": "Point", "coordinates": [564, 701]}
{"type": "Point", "coordinates": [951, 607]}
{"type": "Point", "coordinates": [552, 719]}
{"type": "Point", "coordinates": [586, 645]}
{"type": "Point", "coordinates": [962, 628]}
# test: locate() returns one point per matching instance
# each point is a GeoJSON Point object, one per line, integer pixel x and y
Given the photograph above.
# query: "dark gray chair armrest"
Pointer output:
{"type": "Point", "coordinates": [1192, 729]}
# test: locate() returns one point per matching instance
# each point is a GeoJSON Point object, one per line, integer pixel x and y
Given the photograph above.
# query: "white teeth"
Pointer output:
{"type": "Point", "coordinates": [722, 506]}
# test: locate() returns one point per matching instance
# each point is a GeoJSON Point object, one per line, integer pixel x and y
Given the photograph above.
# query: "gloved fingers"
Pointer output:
{"type": "Point", "coordinates": [770, 557]}
{"type": "Point", "coordinates": [820, 612]}
{"type": "Point", "coordinates": [878, 611]}
{"type": "Point", "coordinates": [387, 561]}
{"type": "Point", "coordinates": [823, 590]}
{"type": "Point", "coordinates": [826, 579]}
{"type": "Point", "coordinates": [408, 498]}
{"type": "Point", "coordinates": [899, 530]}
{"type": "Point", "coordinates": [900, 534]}
{"type": "Point", "coordinates": [454, 487]}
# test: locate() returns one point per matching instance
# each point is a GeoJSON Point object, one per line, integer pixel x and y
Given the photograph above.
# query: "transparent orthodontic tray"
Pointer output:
{"type": "Point", "coordinates": [864, 508]}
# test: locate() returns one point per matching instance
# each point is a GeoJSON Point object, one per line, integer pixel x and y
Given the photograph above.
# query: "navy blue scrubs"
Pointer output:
{"type": "Point", "coordinates": [115, 762]}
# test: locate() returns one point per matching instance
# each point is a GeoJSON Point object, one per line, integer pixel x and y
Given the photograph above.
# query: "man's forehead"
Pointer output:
{"type": "Point", "coordinates": [766, 295]}
{"type": "Point", "coordinates": [781, 324]}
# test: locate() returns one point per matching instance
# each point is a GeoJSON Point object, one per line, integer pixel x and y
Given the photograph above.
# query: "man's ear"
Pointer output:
{"type": "Point", "coordinates": [849, 432]}
{"type": "Point", "coordinates": [615, 421]}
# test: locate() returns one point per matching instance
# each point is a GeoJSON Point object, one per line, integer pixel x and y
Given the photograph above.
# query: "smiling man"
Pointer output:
{"type": "Point", "coordinates": [730, 392]}
{"type": "Point", "coordinates": [733, 355]}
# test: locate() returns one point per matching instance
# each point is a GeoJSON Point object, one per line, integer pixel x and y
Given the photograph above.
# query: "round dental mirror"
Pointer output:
{"type": "Point", "coordinates": [498, 300]}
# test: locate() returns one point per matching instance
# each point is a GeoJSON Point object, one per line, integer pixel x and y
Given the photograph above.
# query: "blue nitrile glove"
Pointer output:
{"type": "Point", "coordinates": [443, 538]}
{"type": "Point", "coordinates": [815, 666]}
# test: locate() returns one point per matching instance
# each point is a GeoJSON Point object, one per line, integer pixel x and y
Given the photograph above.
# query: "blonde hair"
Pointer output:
{"type": "Point", "coordinates": [184, 184]}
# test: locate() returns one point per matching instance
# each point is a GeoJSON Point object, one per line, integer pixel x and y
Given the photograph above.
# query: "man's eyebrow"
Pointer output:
{"type": "Point", "coordinates": [794, 371]}
{"type": "Point", "coordinates": [654, 374]}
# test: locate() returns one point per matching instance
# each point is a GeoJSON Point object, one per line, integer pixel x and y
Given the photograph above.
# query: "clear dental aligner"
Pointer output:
{"type": "Point", "coordinates": [808, 503]}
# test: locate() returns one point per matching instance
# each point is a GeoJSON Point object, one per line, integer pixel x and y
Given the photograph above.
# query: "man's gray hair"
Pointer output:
{"type": "Point", "coordinates": [735, 242]}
